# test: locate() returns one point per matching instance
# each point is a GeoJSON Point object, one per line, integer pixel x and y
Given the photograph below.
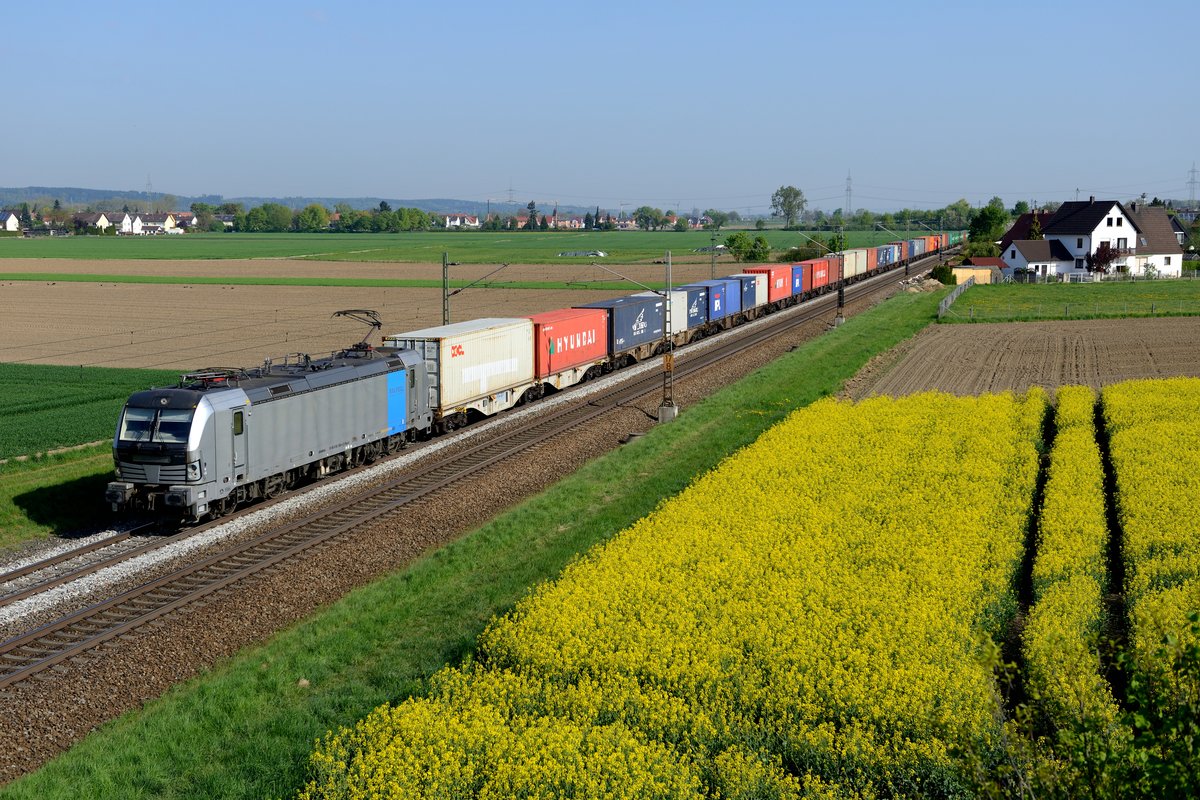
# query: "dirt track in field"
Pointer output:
{"type": "Point", "coordinates": [975, 359]}
{"type": "Point", "coordinates": [182, 326]}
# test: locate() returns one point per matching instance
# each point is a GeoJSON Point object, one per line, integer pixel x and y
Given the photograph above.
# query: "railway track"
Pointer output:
{"type": "Point", "coordinates": [28, 654]}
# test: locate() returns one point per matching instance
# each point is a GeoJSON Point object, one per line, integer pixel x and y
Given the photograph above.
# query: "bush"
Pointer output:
{"type": "Point", "coordinates": [943, 274]}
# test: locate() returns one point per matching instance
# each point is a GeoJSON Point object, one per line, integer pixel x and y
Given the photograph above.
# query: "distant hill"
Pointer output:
{"type": "Point", "coordinates": [114, 199]}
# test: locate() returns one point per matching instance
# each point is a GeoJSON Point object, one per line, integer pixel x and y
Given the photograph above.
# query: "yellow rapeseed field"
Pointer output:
{"type": "Point", "coordinates": [1155, 446]}
{"type": "Point", "coordinates": [806, 620]}
{"type": "Point", "coordinates": [1070, 577]}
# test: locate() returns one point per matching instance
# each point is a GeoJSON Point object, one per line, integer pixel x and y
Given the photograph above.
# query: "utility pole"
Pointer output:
{"type": "Point", "coordinates": [712, 272]}
{"type": "Point", "coordinates": [840, 317]}
{"type": "Point", "coordinates": [667, 410]}
{"type": "Point", "coordinates": [1192, 186]}
{"type": "Point", "coordinates": [849, 204]}
{"type": "Point", "coordinates": [445, 288]}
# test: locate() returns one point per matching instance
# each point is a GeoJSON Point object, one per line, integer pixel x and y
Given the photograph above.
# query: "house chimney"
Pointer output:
{"type": "Point", "coordinates": [1133, 206]}
{"type": "Point", "coordinates": [1092, 199]}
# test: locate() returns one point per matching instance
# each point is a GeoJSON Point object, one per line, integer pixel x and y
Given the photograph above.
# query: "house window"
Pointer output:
{"type": "Point", "coordinates": [1079, 242]}
{"type": "Point", "coordinates": [1110, 222]}
{"type": "Point", "coordinates": [1166, 261]}
{"type": "Point", "coordinates": [1079, 263]}
{"type": "Point", "coordinates": [1119, 221]}
{"type": "Point", "coordinates": [1122, 244]}
{"type": "Point", "coordinates": [1013, 254]}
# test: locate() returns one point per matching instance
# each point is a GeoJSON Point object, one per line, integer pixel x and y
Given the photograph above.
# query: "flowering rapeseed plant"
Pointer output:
{"type": "Point", "coordinates": [804, 620]}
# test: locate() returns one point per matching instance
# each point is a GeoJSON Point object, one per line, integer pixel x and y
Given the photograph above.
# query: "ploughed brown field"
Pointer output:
{"type": "Point", "coordinates": [195, 326]}
{"type": "Point", "coordinates": [976, 359]}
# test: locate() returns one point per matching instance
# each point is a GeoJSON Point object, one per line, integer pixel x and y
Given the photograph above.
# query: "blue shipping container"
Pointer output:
{"type": "Point", "coordinates": [748, 290]}
{"type": "Point", "coordinates": [719, 302]}
{"type": "Point", "coordinates": [697, 305]}
{"type": "Point", "coordinates": [632, 321]}
{"type": "Point", "coordinates": [916, 247]}
{"type": "Point", "coordinates": [797, 279]}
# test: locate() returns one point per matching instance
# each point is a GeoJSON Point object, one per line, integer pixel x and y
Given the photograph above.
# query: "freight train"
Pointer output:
{"type": "Point", "coordinates": [225, 437]}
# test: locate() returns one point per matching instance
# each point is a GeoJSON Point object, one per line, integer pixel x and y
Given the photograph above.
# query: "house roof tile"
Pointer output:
{"type": "Point", "coordinates": [1156, 236]}
{"type": "Point", "coordinates": [1080, 217]}
{"type": "Point", "coordinates": [1043, 250]}
{"type": "Point", "coordinates": [1020, 228]}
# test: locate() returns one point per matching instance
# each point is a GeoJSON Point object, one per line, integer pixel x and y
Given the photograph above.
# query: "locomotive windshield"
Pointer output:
{"type": "Point", "coordinates": [166, 425]}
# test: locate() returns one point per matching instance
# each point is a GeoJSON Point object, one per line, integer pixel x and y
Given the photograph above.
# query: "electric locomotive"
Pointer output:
{"type": "Point", "coordinates": [223, 437]}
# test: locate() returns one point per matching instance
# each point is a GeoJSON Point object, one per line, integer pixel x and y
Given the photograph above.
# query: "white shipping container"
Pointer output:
{"type": "Point", "coordinates": [482, 363]}
{"type": "Point", "coordinates": [855, 262]}
{"type": "Point", "coordinates": [679, 308]}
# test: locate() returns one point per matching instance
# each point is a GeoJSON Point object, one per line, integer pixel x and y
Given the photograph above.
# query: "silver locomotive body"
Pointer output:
{"type": "Point", "coordinates": [222, 438]}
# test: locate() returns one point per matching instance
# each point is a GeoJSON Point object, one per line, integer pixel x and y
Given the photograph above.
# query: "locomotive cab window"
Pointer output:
{"type": "Point", "coordinates": [168, 425]}
{"type": "Point", "coordinates": [137, 424]}
{"type": "Point", "coordinates": [237, 423]}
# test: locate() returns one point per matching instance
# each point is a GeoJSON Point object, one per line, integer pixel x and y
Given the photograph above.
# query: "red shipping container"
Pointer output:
{"type": "Point", "coordinates": [779, 280]}
{"type": "Point", "coordinates": [567, 338]}
{"type": "Point", "coordinates": [872, 258]}
{"type": "Point", "coordinates": [835, 270]}
{"type": "Point", "coordinates": [819, 267]}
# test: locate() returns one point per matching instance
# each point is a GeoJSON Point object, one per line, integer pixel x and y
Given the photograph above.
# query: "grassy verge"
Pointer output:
{"type": "Point", "coordinates": [245, 729]}
{"type": "Point", "coordinates": [1017, 302]}
{"type": "Point", "coordinates": [50, 495]}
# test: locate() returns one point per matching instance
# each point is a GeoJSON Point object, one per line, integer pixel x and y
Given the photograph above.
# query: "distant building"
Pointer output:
{"type": "Point", "coordinates": [462, 221]}
{"type": "Point", "coordinates": [97, 220]}
{"type": "Point", "coordinates": [9, 221]}
{"type": "Point", "coordinates": [159, 223]}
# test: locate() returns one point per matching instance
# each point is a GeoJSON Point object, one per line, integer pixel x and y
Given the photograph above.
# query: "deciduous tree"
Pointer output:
{"type": "Point", "coordinates": [788, 202]}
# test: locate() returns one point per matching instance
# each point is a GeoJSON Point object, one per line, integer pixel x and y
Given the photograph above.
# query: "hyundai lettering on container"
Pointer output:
{"type": "Point", "coordinates": [568, 338]}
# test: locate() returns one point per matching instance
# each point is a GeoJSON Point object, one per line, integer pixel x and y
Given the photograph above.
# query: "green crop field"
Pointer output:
{"type": "Point", "coordinates": [467, 247]}
{"type": "Point", "coordinates": [46, 407]}
{"type": "Point", "coordinates": [1010, 302]}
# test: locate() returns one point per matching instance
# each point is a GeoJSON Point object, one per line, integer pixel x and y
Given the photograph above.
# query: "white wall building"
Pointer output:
{"type": "Point", "coordinates": [1142, 238]}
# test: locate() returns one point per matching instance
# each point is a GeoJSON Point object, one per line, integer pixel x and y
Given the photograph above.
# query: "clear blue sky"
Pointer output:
{"type": "Point", "coordinates": [692, 104]}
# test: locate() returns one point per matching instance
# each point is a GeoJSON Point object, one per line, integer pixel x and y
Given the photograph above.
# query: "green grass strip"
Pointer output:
{"type": "Point", "coordinates": [62, 492]}
{"type": "Point", "coordinates": [245, 728]}
{"type": "Point", "coordinates": [387, 283]}
{"type": "Point", "coordinates": [1020, 302]}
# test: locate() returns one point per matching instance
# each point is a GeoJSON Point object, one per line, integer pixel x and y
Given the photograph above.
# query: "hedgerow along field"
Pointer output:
{"type": "Point", "coordinates": [426, 247]}
{"type": "Point", "coordinates": [1018, 302]}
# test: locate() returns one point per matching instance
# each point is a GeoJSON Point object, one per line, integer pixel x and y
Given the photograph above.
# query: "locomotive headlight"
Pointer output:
{"type": "Point", "coordinates": [194, 471]}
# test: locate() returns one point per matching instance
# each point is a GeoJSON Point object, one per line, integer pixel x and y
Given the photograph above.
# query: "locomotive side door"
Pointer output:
{"type": "Point", "coordinates": [239, 442]}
